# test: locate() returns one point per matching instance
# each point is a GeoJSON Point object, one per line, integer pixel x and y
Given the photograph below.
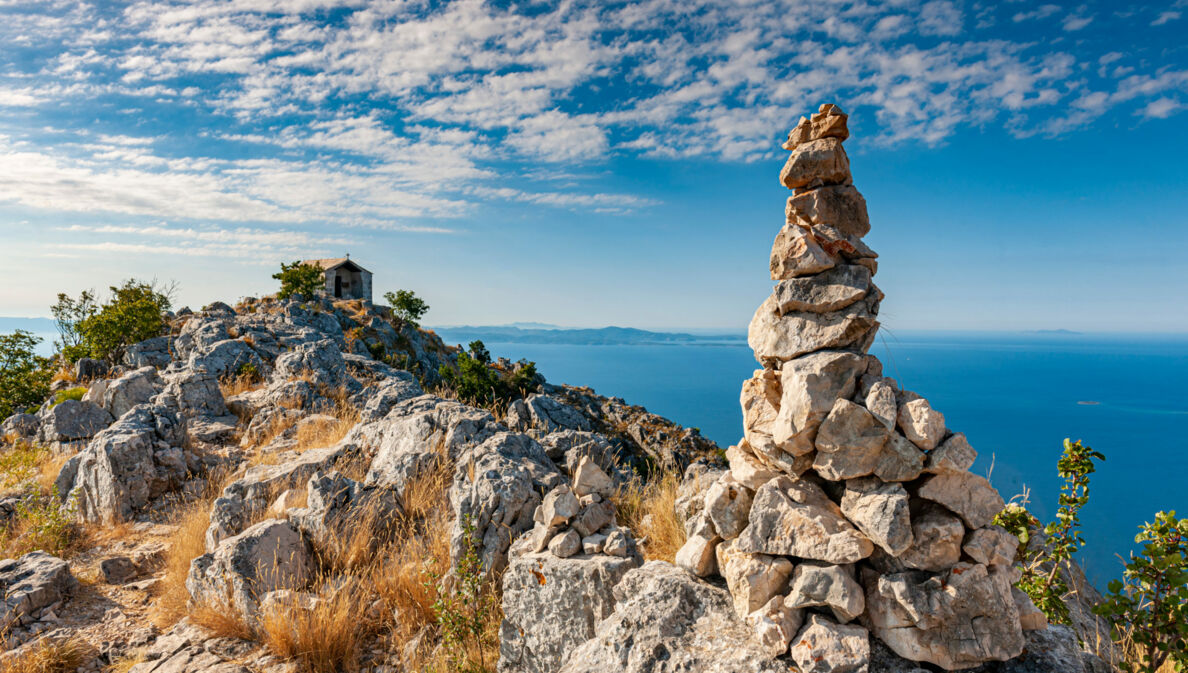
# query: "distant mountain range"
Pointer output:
{"type": "Point", "coordinates": [600, 336]}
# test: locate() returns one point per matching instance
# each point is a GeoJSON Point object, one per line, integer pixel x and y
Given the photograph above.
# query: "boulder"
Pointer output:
{"type": "Point", "coordinates": [386, 394]}
{"type": "Point", "coordinates": [809, 387]}
{"type": "Point", "coordinates": [567, 448]}
{"type": "Point", "coordinates": [823, 646]}
{"type": "Point", "coordinates": [728, 504]}
{"type": "Point", "coordinates": [72, 420]}
{"type": "Point", "coordinates": [992, 545]}
{"type": "Point", "coordinates": [320, 362]}
{"type": "Point", "coordinates": [849, 442]}
{"type": "Point", "coordinates": [149, 353]}
{"type": "Point", "coordinates": [566, 544]}
{"type": "Point", "coordinates": [594, 517]}
{"type": "Point", "coordinates": [826, 586]}
{"type": "Point", "coordinates": [1031, 618]}
{"type": "Point", "coordinates": [953, 455]}
{"type": "Point", "coordinates": [900, 460]}
{"type": "Point", "coordinates": [841, 207]}
{"type": "Point", "coordinates": [551, 606]}
{"type": "Point", "coordinates": [86, 369]}
{"type": "Point", "coordinates": [830, 290]}
{"type": "Point", "coordinates": [796, 252]}
{"type": "Point", "coordinates": [936, 541]}
{"type": "Point", "coordinates": [30, 584]}
{"type": "Point", "coordinates": [775, 624]}
{"type": "Point", "coordinates": [798, 519]}
{"type": "Point", "coordinates": [227, 358]}
{"type": "Point", "coordinates": [197, 394]}
{"type": "Point", "coordinates": [589, 478]}
{"type": "Point", "coordinates": [619, 542]}
{"type": "Point", "coordinates": [1055, 649]}
{"type": "Point", "coordinates": [920, 423]}
{"type": "Point", "coordinates": [880, 401]}
{"type": "Point", "coordinates": [495, 494]}
{"type": "Point", "coordinates": [699, 555]}
{"type": "Point", "coordinates": [880, 511]}
{"type": "Point", "coordinates": [814, 163]}
{"type": "Point", "coordinates": [957, 619]}
{"type": "Point", "coordinates": [559, 506]}
{"type": "Point", "coordinates": [746, 469]}
{"type": "Point", "coordinates": [776, 337]}
{"type": "Point", "coordinates": [339, 511]}
{"type": "Point", "coordinates": [753, 579]}
{"type": "Point", "coordinates": [136, 459]}
{"type": "Point", "coordinates": [20, 426]}
{"type": "Point", "coordinates": [546, 414]}
{"type": "Point", "coordinates": [268, 556]}
{"type": "Point", "coordinates": [760, 401]}
{"type": "Point", "coordinates": [967, 495]}
{"type": "Point", "coordinates": [132, 389]}
{"type": "Point", "coordinates": [666, 621]}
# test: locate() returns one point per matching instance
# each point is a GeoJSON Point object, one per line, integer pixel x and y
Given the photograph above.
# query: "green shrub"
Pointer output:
{"type": "Point", "coordinates": [24, 375]}
{"type": "Point", "coordinates": [133, 312]}
{"type": "Point", "coordinates": [407, 306]}
{"type": "Point", "coordinates": [1040, 567]}
{"type": "Point", "coordinates": [299, 278]}
{"type": "Point", "coordinates": [1150, 603]}
{"type": "Point", "coordinates": [479, 383]}
{"type": "Point", "coordinates": [69, 316]}
{"type": "Point", "coordinates": [249, 372]}
{"type": "Point", "coordinates": [75, 394]}
{"type": "Point", "coordinates": [463, 614]}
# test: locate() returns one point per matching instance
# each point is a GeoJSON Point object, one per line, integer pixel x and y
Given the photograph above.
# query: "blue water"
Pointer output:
{"type": "Point", "coordinates": [1016, 397]}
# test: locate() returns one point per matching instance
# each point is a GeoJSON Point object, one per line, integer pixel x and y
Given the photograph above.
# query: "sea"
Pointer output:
{"type": "Point", "coordinates": [1015, 396]}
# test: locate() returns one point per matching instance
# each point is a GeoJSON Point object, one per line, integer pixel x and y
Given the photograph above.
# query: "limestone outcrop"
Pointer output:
{"type": "Point", "coordinates": [848, 509]}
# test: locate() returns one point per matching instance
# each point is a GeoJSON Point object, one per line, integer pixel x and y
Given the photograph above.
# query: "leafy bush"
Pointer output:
{"type": "Point", "coordinates": [70, 315]}
{"type": "Point", "coordinates": [299, 278]}
{"type": "Point", "coordinates": [464, 613]}
{"type": "Point", "coordinates": [69, 394]}
{"type": "Point", "coordinates": [133, 312]}
{"type": "Point", "coordinates": [1150, 603]}
{"type": "Point", "coordinates": [1041, 577]}
{"type": "Point", "coordinates": [24, 375]}
{"type": "Point", "coordinates": [407, 306]}
{"type": "Point", "coordinates": [476, 381]}
{"type": "Point", "coordinates": [40, 522]}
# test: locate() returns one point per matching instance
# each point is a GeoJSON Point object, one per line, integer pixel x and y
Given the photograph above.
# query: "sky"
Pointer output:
{"type": "Point", "coordinates": [599, 163]}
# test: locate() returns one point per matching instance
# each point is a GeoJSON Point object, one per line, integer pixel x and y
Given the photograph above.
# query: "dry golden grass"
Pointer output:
{"type": "Point", "coordinates": [186, 543]}
{"type": "Point", "coordinates": [222, 620]}
{"type": "Point", "coordinates": [237, 385]}
{"type": "Point", "coordinates": [48, 469]}
{"type": "Point", "coordinates": [126, 662]}
{"type": "Point", "coordinates": [649, 510]}
{"type": "Point", "coordinates": [326, 637]}
{"type": "Point", "coordinates": [64, 373]}
{"type": "Point", "coordinates": [46, 655]}
{"type": "Point", "coordinates": [316, 435]}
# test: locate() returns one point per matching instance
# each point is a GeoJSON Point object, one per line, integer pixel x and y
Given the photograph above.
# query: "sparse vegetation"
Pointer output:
{"type": "Point", "coordinates": [648, 508]}
{"type": "Point", "coordinates": [299, 279]}
{"type": "Point", "coordinates": [478, 382]}
{"type": "Point", "coordinates": [1148, 607]}
{"type": "Point", "coordinates": [1042, 566]}
{"type": "Point", "coordinates": [40, 522]}
{"type": "Point", "coordinates": [75, 394]}
{"type": "Point", "coordinates": [407, 306]}
{"type": "Point", "coordinates": [46, 655]}
{"type": "Point", "coordinates": [24, 375]}
{"type": "Point", "coordinates": [462, 615]}
{"type": "Point", "coordinates": [132, 313]}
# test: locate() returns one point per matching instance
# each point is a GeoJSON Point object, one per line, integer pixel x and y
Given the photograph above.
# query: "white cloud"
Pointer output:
{"type": "Point", "coordinates": [1161, 108]}
{"type": "Point", "coordinates": [1166, 17]}
{"type": "Point", "coordinates": [1041, 12]}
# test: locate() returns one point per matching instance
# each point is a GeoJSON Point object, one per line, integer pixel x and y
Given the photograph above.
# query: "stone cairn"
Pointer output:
{"type": "Point", "coordinates": [848, 509]}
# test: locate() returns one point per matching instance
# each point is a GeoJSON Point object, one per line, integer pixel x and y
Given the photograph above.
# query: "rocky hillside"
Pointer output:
{"type": "Point", "coordinates": [288, 486]}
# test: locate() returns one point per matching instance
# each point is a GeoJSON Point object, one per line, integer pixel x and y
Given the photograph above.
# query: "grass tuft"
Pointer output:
{"type": "Point", "coordinates": [649, 510]}
{"type": "Point", "coordinates": [46, 655]}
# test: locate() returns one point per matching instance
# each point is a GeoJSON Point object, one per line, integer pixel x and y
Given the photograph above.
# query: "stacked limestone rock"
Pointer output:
{"type": "Point", "coordinates": [580, 519]}
{"type": "Point", "coordinates": [848, 509]}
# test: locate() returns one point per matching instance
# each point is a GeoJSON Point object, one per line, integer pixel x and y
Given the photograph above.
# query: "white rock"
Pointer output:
{"type": "Point", "coordinates": [797, 519]}
{"type": "Point", "coordinates": [880, 401]}
{"type": "Point", "coordinates": [953, 455]}
{"type": "Point", "coordinates": [967, 495]}
{"type": "Point", "coordinates": [920, 423]}
{"type": "Point", "coordinates": [746, 468]}
{"type": "Point", "coordinates": [796, 252]}
{"type": "Point", "coordinates": [728, 504]}
{"type": "Point", "coordinates": [823, 585]}
{"type": "Point", "coordinates": [777, 338]}
{"type": "Point", "coordinates": [809, 386]}
{"type": "Point", "coordinates": [880, 511]}
{"type": "Point", "coordinates": [566, 544]}
{"type": "Point", "coordinates": [698, 555]}
{"type": "Point", "coordinates": [936, 541]}
{"type": "Point", "coordinates": [1030, 617]}
{"type": "Point", "coordinates": [775, 624]}
{"type": "Point", "coordinates": [992, 545]}
{"type": "Point", "coordinates": [825, 647]}
{"type": "Point", "coordinates": [849, 442]}
{"type": "Point", "coordinates": [618, 543]}
{"type": "Point", "coordinates": [268, 556]}
{"type": "Point", "coordinates": [589, 479]}
{"type": "Point", "coordinates": [753, 579]}
{"type": "Point", "coordinates": [559, 507]}
{"type": "Point", "coordinates": [841, 207]}
{"type": "Point", "coordinates": [815, 163]}
{"type": "Point", "coordinates": [830, 290]}
{"type": "Point", "coordinates": [760, 401]}
{"type": "Point", "coordinates": [593, 544]}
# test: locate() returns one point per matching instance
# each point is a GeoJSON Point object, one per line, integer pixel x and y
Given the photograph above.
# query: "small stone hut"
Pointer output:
{"type": "Point", "coordinates": [344, 278]}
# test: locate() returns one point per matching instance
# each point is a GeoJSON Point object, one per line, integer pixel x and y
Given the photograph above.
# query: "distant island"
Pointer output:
{"type": "Point", "coordinates": [598, 336]}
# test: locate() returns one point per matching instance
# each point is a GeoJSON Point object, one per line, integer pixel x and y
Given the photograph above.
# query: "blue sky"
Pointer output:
{"type": "Point", "coordinates": [593, 163]}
